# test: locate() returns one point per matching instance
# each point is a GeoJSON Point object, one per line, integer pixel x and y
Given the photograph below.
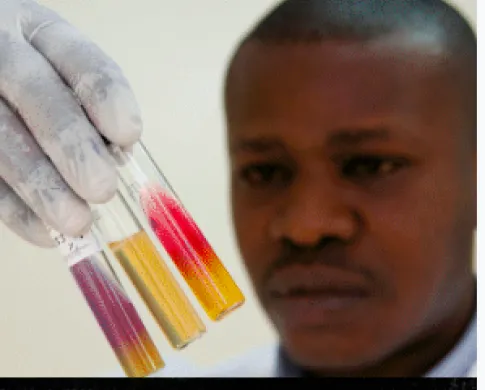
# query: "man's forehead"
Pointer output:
{"type": "Point", "coordinates": [335, 80]}
{"type": "Point", "coordinates": [394, 50]}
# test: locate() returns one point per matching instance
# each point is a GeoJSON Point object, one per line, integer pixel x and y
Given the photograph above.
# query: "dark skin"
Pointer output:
{"type": "Point", "coordinates": [354, 167]}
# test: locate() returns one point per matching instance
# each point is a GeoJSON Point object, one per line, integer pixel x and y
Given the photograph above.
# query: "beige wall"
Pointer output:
{"type": "Point", "coordinates": [174, 54]}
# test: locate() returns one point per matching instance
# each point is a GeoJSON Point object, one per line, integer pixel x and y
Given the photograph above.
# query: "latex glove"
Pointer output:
{"type": "Point", "coordinates": [58, 94]}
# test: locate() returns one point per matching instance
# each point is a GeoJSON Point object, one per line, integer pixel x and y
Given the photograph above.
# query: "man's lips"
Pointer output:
{"type": "Point", "coordinates": [317, 295]}
{"type": "Point", "coordinates": [300, 280]}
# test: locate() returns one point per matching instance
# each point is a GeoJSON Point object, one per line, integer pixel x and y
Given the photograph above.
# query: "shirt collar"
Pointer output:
{"type": "Point", "coordinates": [461, 358]}
{"type": "Point", "coordinates": [285, 368]}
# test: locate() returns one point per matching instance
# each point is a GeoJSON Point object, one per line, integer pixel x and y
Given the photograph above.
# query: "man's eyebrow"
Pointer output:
{"type": "Point", "coordinates": [343, 137]}
{"type": "Point", "coordinates": [356, 137]}
{"type": "Point", "coordinates": [255, 145]}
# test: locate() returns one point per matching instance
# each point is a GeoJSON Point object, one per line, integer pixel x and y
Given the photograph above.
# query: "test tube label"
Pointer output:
{"type": "Point", "coordinates": [75, 249]}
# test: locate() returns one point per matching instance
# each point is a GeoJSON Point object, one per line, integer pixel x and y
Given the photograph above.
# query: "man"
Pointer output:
{"type": "Point", "coordinates": [352, 142]}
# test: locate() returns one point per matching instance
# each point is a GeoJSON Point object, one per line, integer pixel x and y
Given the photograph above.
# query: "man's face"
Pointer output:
{"type": "Point", "coordinates": [353, 194]}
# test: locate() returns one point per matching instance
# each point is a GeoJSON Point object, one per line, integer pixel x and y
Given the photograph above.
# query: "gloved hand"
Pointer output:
{"type": "Point", "coordinates": [59, 95]}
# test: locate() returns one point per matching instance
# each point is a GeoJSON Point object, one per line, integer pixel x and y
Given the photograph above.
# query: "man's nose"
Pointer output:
{"type": "Point", "coordinates": [315, 210]}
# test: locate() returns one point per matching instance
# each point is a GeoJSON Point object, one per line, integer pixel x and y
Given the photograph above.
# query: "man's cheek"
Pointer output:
{"type": "Point", "coordinates": [246, 232]}
{"type": "Point", "coordinates": [402, 222]}
{"type": "Point", "coordinates": [401, 246]}
{"type": "Point", "coordinates": [408, 256]}
{"type": "Point", "coordinates": [254, 242]}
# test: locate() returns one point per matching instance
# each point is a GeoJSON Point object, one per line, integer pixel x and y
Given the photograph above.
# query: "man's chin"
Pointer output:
{"type": "Point", "coordinates": [313, 351]}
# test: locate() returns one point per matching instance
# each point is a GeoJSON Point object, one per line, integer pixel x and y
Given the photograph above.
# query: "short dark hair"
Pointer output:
{"type": "Point", "coordinates": [313, 21]}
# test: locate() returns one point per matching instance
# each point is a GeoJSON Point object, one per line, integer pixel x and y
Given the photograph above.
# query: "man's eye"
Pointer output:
{"type": "Point", "coordinates": [260, 175]}
{"type": "Point", "coordinates": [363, 167]}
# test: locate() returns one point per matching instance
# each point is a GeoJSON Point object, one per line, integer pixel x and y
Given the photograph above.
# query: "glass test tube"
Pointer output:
{"type": "Point", "coordinates": [112, 308]}
{"type": "Point", "coordinates": [144, 266]}
{"type": "Point", "coordinates": [146, 187]}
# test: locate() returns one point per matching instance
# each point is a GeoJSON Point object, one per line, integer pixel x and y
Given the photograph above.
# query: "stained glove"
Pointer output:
{"type": "Point", "coordinates": [61, 101]}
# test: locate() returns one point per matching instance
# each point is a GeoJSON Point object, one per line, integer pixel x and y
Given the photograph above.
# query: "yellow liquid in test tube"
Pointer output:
{"type": "Point", "coordinates": [159, 289]}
